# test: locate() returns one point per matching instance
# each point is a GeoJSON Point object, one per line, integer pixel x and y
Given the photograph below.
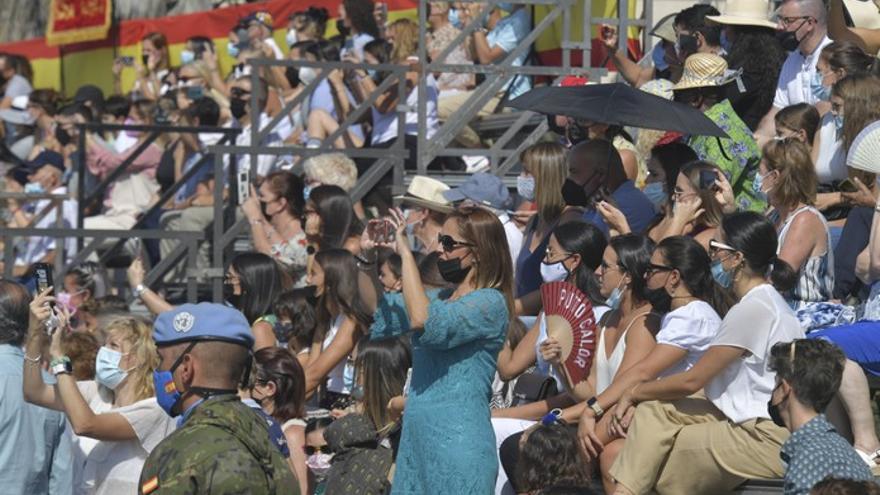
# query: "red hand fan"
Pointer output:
{"type": "Point", "coordinates": [570, 321]}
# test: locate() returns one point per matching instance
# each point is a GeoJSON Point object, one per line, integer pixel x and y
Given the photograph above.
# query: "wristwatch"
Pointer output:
{"type": "Point", "coordinates": [61, 366]}
{"type": "Point", "coordinates": [593, 403]}
{"type": "Point", "coordinates": [139, 290]}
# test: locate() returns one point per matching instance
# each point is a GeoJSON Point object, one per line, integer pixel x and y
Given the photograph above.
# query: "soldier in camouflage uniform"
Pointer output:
{"type": "Point", "coordinates": [221, 445]}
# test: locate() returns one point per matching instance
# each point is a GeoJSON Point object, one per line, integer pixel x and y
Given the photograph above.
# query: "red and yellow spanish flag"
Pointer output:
{"type": "Point", "coordinates": [88, 60]}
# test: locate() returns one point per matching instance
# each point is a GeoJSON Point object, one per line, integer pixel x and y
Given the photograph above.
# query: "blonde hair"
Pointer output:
{"type": "Point", "coordinates": [797, 181]}
{"type": "Point", "coordinates": [139, 334]}
{"type": "Point", "coordinates": [406, 39]}
{"type": "Point", "coordinates": [332, 169]}
{"type": "Point", "coordinates": [547, 163]}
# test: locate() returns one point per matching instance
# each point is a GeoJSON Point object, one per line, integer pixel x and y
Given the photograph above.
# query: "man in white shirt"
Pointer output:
{"type": "Point", "coordinates": [45, 177]}
{"type": "Point", "coordinates": [802, 23]}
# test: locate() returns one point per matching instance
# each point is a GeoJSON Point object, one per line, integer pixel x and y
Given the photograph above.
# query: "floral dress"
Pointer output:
{"type": "Point", "coordinates": [734, 155]}
{"type": "Point", "coordinates": [448, 445]}
{"type": "Point", "coordinates": [293, 254]}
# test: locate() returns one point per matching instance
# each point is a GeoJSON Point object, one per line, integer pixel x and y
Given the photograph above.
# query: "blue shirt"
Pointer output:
{"type": "Point", "coordinates": [35, 452]}
{"type": "Point", "coordinates": [507, 34]}
{"type": "Point", "coordinates": [635, 206]}
{"type": "Point", "coordinates": [322, 99]}
{"type": "Point", "coordinates": [814, 451]}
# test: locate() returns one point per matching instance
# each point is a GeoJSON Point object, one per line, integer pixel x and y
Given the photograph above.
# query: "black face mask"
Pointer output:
{"type": "Point", "coordinates": [312, 296]}
{"type": "Point", "coordinates": [233, 299]}
{"type": "Point", "coordinates": [687, 43]}
{"type": "Point", "coordinates": [660, 300]}
{"type": "Point", "coordinates": [3, 80]}
{"type": "Point", "coordinates": [144, 59]}
{"type": "Point", "coordinates": [574, 195]}
{"type": "Point", "coordinates": [238, 107]}
{"type": "Point", "coordinates": [576, 134]}
{"type": "Point", "coordinates": [343, 30]}
{"type": "Point", "coordinates": [452, 271]}
{"type": "Point", "coordinates": [773, 411]}
{"type": "Point", "coordinates": [62, 136]}
{"type": "Point", "coordinates": [789, 39]}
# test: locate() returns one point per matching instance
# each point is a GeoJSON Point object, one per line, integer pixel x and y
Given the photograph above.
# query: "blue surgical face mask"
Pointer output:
{"type": "Point", "coordinates": [34, 188]}
{"type": "Point", "coordinates": [454, 19]}
{"type": "Point", "coordinates": [107, 371]}
{"type": "Point", "coordinates": [838, 122]}
{"type": "Point", "coordinates": [372, 73]}
{"type": "Point", "coordinates": [187, 56]}
{"type": "Point", "coordinates": [506, 6]}
{"type": "Point", "coordinates": [525, 187]}
{"type": "Point", "coordinates": [658, 57]}
{"type": "Point", "coordinates": [655, 193]}
{"type": "Point", "coordinates": [307, 191]}
{"type": "Point", "coordinates": [820, 91]}
{"type": "Point", "coordinates": [615, 297]}
{"type": "Point", "coordinates": [232, 49]}
{"type": "Point", "coordinates": [721, 276]}
{"type": "Point", "coordinates": [758, 187]}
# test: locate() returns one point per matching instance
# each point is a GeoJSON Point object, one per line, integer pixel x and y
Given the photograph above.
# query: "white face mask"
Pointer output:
{"type": "Point", "coordinates": [554, 272]}
{"type": "Point", "coordinates": [307, 75]}
{"type": "Point", "coordinates": [291, 37]}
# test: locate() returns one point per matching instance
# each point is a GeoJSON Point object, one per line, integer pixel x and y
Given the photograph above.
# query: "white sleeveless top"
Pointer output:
{"type": "Point", "coordinates": [607, 366]}
{"type": "Point", "coordinates": [339, 378]}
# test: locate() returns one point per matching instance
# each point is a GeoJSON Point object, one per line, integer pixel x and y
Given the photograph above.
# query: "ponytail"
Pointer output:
{"type": "Point", "coordinates": [782, 275]}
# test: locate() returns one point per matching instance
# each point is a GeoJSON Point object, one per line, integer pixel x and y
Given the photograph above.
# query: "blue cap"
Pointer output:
{"type": "Point", "coordinates": [482, 188]}
{"type": "Point", "coordinates": [46, 157]}
{"type": "Point", "coordinates": [203, 321]}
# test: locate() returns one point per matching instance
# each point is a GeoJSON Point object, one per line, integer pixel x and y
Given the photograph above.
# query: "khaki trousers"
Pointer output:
{"type": "Point", "coordinates": [450, 104]}
{"type": "Point", "coordinates": [688, 447]}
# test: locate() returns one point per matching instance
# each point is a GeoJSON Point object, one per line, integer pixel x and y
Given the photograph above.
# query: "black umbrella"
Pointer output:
{"type": "Point", "coordinates": [617, 104]}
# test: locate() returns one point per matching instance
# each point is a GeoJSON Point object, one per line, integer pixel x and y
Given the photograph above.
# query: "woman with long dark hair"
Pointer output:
{"type": "Point", "coordinates": [456, 337]}
{"type": "Point", "coordinates": [253, 282]}
{"type": "Point", "coordinates": [358, 17]}
{"type": "Point", "coordinates": [573, 254]}
{"type": "Point", "coordinates": [683, 444]}
{"type": "Point", "coordinates": [680, 267]}
{"type": "Point", "coordinates": [757, 51]}
{"type": "Point", "coordinates": [279, 389]}
{"type": "Point", "coordinates": [343, 317]}
{"type": "Point", "coordinates": [330, 221]}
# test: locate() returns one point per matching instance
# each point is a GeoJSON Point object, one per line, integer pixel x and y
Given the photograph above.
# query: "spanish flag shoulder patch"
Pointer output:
{"type": "Point", "coordinates": [150, 486]}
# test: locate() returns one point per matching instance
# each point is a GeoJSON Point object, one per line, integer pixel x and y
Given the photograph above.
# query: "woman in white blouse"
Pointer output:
{"type": "Point", "coordinates": [116, 418]}
{"type": "Point", "coordinates": [680, 268]}
{"type": "Point", "coordinates": [678, 443]}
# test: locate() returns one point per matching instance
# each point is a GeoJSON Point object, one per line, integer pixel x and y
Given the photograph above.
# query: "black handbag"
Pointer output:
{"type": "Point", "coordinates": [532, 387]}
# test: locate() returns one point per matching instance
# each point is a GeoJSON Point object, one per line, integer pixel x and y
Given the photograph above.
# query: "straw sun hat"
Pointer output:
{"type": "Point", "coordinates": [703, 70]}
{"type": "Point", "coordinates": [745, 13]}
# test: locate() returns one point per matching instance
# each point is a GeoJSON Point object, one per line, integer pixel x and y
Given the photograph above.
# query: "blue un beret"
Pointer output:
{"type": "Point", "coordinates": [203, 321]}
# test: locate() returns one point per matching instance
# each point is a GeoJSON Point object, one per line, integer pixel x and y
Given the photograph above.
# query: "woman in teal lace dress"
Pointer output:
{"type": "Point", "coordinates": [448, 445]}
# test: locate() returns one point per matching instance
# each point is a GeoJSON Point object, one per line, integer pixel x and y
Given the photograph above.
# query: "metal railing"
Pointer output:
{"type": "Point", "coordinates": [504, 152]}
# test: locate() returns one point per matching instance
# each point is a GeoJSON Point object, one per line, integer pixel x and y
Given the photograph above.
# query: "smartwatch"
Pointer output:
{"type": "Point", "coordinates": [61, 366]}
{"type": "Point", "coordinates": [593, 403]}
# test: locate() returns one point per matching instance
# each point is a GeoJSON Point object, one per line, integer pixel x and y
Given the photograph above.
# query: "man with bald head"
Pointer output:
{"type": "Point", "coordinates": [596, 175]}
{"type": "Point", "coordinates": [221, 445]}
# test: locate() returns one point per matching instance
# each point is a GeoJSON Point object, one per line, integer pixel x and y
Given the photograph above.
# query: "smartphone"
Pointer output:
{"type": "Point", "coordinates": [381, 231]}
{"type": "Point", "coordinates": [43, 274]}
{"type": "Point", "coordinates": [244, 185]}
{"type": "Point", "coordinates": [127, 61]}
{"type": "Point", "coordinates": [195, 92]}
{"type": "Point", "coordinates": [707, 179]}
{"type": "Point", "coordinates": [848, 186]}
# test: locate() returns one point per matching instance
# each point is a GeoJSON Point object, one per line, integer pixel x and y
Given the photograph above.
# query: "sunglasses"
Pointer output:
{"type": "Point", "coordinates": [309, 450]}
{"type": "Point", "coordinates": [652, 269]}
{"type": "Point", "coordinates": [449, 243]}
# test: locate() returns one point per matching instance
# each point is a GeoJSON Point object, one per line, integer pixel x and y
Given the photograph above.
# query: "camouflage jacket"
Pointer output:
{"type": "Point", "coordinates": [222, 448]}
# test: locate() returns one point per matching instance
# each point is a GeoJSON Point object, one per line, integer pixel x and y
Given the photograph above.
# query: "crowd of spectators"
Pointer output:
{"type": "Point", "coordinates": [400, 344]}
